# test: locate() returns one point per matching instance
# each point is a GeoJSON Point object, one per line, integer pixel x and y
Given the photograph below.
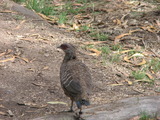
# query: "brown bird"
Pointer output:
{"type": "Point", "coordinates": [75, 78]}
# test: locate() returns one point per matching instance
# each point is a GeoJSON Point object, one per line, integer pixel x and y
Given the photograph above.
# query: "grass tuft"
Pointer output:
{"type": "Point", "coordinates": [155, 65]}
{"type": "Point", "coordinates": [41, 6]}
{"type": "Point", "coordinates": [138, 75]}
{"type": "Point", "coordinates": [115, 58]}
{"type": "Point", "coordinates": [99, 36]}
{"type": "Point", "coordinates": [147, 116]}
{"type": "Point", "coordinates": [105, 50]}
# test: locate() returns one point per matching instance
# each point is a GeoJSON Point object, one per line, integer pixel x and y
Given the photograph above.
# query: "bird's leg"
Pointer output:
{"type": "Point", "coordinates": [71, 108]}
{"type": "Point", "coordinates": [80, 112]}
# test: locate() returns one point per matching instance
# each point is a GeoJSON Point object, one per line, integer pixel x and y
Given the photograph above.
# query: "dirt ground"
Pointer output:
{"type": "Point", "coordinates": [29, 69]}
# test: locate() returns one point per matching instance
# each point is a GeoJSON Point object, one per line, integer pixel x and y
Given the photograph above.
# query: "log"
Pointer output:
{"type": "Point", "coordinates": [120, 110]}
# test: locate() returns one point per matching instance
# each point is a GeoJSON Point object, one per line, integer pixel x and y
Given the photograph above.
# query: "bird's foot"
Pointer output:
{"type": "Point", "coordinates": [78, 116]}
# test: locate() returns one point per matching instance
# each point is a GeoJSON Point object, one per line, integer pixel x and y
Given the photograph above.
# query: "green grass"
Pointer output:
{"type": "Point", "coordinates": [84, 28]}
{"type": "Point", "coordinates": [105, 50]}
{"type": "Point", "coordinates": [87, 46]}
{"type": "Point", "coordinates": [82, 1]}
{"type": "Point", "coordinates": [70, 9]}
{"type": "Point", "coordinates": [64, 13]}
{"type": "Point", "coordinates": [144, 116]}
{"type": "Point", "coordinates": [62, 18]}
{"type": "Point", "coordinates": [116, 47]}
{"type": "Point", "coordinates": [130, 53]}
{"type": "Point", "coordinates": [99, 36]}
{"type": "Point", "coordinates": [154, 64]}
{"type": "Point", "coordinates": [115, 58]}
{"type": "Point", "coordinates": [41, 6]}
{"type": "Point", "coordinates": [147, 116]}
{"type": "Point", "coordinates": [19, 1]}
{"type": "Point", "coordinates": [138, 75]}
{"type": "Point", "coordinates": [18, 17]}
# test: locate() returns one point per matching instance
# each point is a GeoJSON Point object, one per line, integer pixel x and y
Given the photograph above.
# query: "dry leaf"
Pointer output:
{"type": "Point", "coordinates": [117, 38]}
{"type": "Point", "coordinates": [150, 28]}
{"type": "Point", "coordinates": [122, 35]}
{"type": "Point", "coordinates": [24, 59]}
{"type": "Point", "coordinates": [116, 84]}
{"type": "Point", "coordinates": [77, 4]}
{"type": "Point", "coordinates": [1, 106]}
{"type": "Point", "coordinates": [1, 54]}
{"type": "Point", "coordinates": [57, 102]}
{"type": "Point", "coordinates": [94, 42]}
{"type": "Point", "coordinates": [47, 18]}
{"type": "Point", "coordinates": [46, 68]}
{"type": "Point", "coordinates": [126, 59]}
{"type": "Point", "coordinates": [135, 118]}
{"type": "Point", "coordinates": [126, 51]}
{"type": "Point", "coordinates": [3, 113]}
{"type": "Point", "coordinates": [158, 22]}
{"type": "Point", "coordinates": [149, 76]}
{"type": "Point", "coordinates": [95, 52]}
{"type": "Point", "coordinates": [44, 16]}
{"type": "Point", "coordinates": [137, 55]}
{"type": "Point", "coordinates": [7, 11]}
{"type": "Point", "coordinates": [33, 105]}
{"type": "Point", "coordinates": [63, 26]}
{"type": "Point", "coordinates": [31, 69]}
{"type": "Point", "coordinates": [129, 82]}
{"type": "Point", "coordinates": [10, 113]}
{"type": "Point", "coordinates": [117, 21]}
{"type": "Point", "coordinates": [9, 59]}
{"type": "Point", "coordinates": [39, 84]}
{"type": "Point", "coordinates": [8, 51]}
{"type": "Point", "coordinates": [143, 81]}
{"type": "Point", "coordinates": [75, 27]}
{"type": "Point", "coordinates": [20, 25]}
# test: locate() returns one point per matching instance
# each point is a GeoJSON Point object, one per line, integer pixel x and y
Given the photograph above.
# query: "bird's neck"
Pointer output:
{"type": "Point", "coordinates": [69, 56]}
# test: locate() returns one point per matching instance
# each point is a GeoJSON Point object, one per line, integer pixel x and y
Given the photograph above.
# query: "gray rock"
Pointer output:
{"type": "Point", "coordinates": [121, 110]}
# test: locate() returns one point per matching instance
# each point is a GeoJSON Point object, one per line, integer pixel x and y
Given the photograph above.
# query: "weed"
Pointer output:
{"type": "Point", "coordinates": [70, 9]}
{"type": "Point", "coordinates": [144, 116]}
{"type": "Point", "coordinates": [155, 65]}
{"type": "Point", "coordinates": [105, 50]}
{"type": "Point", "coordinates": [138, 75]}
{"type": "Point", "coordinates": [82, 1]}
{"type": "Point", "coordinates": [19, 1]}
{"type": "Point", "coordinates": [116, 47]}
{"type": "Point", "coordinates": [147, 116]}
{"type": "Point", "coordinates": [40, 6]}
{"type": "Point", "coordinates": [84, 28]}
{"type": "Point", "coordinates": [99, 36]}
{"type": "Point", "coordinates": [18, 17]}
{"type": "Point", "coordinates": [115, 58]}
{"type": "Point", "coordinates": [62, 18]}
{"type": "Point", "coordinates": [88, 46]}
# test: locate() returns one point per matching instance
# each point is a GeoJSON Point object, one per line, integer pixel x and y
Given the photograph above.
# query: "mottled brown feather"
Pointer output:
{"type": "Point", "coordinates": [74, 75]}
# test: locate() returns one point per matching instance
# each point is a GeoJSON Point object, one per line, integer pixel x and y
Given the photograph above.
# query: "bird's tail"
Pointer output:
{"type": "Point", "coordinates": [82, 102]}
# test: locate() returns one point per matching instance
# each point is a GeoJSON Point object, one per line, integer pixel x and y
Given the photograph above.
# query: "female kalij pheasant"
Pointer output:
{"type": "Point", "coordinates": [75, 78]}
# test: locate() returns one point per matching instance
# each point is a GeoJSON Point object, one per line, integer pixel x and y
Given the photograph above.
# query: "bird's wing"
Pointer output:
{"type": "Point", "coordinates": [80, 77]}
{"type": "Point", "coordinates": [71, 81]}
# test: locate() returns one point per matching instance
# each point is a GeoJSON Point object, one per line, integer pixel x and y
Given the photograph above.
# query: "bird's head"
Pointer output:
{"type": "Point", "coordinates": [67, 48]}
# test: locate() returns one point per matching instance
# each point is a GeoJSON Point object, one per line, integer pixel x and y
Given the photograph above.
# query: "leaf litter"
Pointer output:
{"type": "Point", "coordinates": [117, 25]}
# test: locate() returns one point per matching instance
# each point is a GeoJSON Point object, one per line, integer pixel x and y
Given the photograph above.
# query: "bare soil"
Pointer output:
{"type": "Point", "coordinates": [30, 62]}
